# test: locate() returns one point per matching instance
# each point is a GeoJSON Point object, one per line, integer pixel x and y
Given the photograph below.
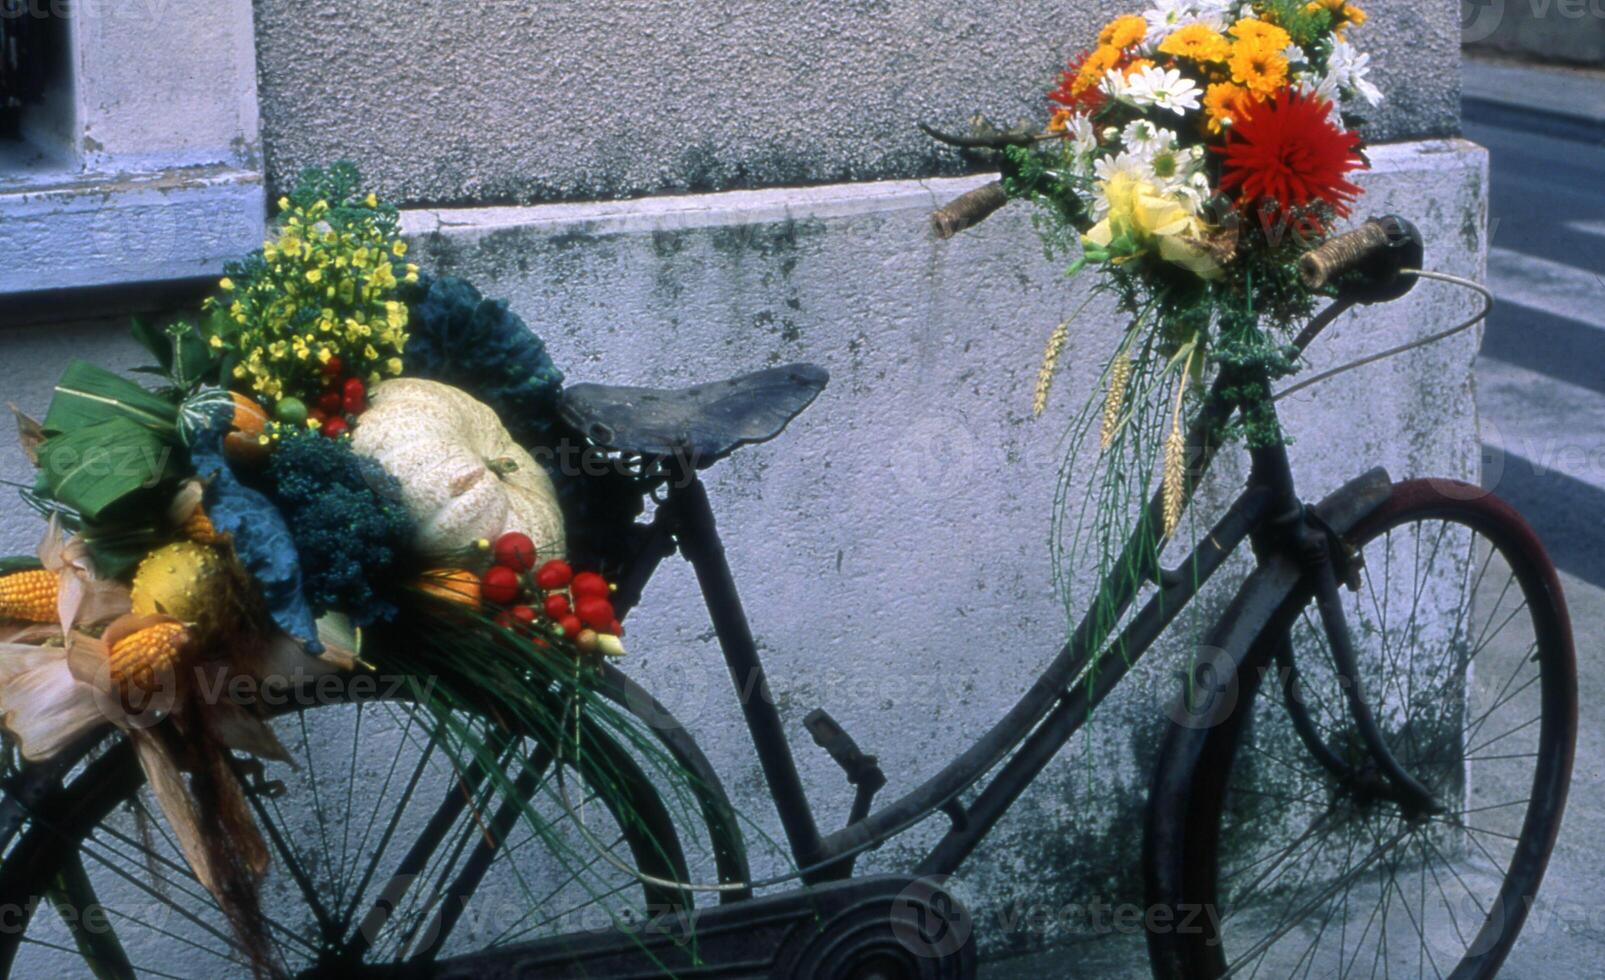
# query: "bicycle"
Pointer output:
{"type": "Point", "coordinates": [1314, 768]}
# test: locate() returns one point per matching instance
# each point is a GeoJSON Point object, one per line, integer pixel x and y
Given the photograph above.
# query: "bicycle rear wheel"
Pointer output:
{"type": "Point", "coordinates": [1289, 857]}
{"type": "Point", "coordinates": [386, 850]}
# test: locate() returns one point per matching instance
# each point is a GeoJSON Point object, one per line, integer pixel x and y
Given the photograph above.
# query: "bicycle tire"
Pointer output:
{"type": "Point", "coordinates": [66, 834]}
{"type": "Point", "coordinates": [1210, 828]}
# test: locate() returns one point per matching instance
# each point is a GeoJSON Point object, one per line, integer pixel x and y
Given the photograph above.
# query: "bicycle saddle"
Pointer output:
{"type": "Point", "coordinates": [706, 422]}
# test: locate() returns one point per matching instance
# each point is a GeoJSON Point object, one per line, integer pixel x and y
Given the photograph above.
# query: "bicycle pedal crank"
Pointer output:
{"type": "Point", "coordinates": [894, 927]}
{"type": "Point", "coordinates": [863, 771]}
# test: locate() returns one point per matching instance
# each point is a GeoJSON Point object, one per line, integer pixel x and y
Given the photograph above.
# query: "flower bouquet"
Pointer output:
{"type": "Point", "coordinates": [333, 471]}
{"type": "Point", "coordinates": [1192, 157]}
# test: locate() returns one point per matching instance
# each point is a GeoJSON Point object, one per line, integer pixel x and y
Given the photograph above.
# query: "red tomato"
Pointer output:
{"type": "Point", "coordinates": [595, 613]}
{"type": "Point", "coordinates": [331, 403]}
{"type": "Point", "coordinates": [555, 574]}
{"type": "Point", "coordinates": [588, 585]}
{"type": "Point", "coordinates": [334, 367]}
{"type": "Point", "coordinates": [571, 625]}
{"type": "Point", "coordinates": [557, 606]}
{"type": "Point", "coordinates": [354, 397]}
{"type": "Point", "coordinates": [335, 427]}
{"type": "Point", "coordinates": [522, 615]}
{"type": "Point", "coordinates": [515, 550]}
{"type": "Point", "coordinates": [499, 585]}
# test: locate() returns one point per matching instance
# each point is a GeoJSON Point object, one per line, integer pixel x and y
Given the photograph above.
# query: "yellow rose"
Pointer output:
{"type": "Point", "coordinates": [1139, 210]}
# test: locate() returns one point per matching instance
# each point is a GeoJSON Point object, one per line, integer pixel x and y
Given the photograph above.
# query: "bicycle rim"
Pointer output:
{"type": "Point", "coordinates": [1465, 656]}
{"type": "Point", "coordinates": [386, 849]}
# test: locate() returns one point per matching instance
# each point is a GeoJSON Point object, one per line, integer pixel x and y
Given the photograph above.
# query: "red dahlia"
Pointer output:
{"type": "Point", "coordinates": [1287, 150]}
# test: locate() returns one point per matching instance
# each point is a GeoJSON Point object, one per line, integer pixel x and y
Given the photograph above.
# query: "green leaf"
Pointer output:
{"type": "Point", "coordinates": [92, 468]}
{"type": "Point", "coordinates": [154, 341]}
{"type": "Point", "coordinates": [117, 554]}
{"type": "Point", "coordinates": [19, 563]}
{"type": "Point", "coordinates": [87, 395]}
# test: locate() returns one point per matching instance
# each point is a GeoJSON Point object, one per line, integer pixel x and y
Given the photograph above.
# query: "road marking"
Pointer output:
{"type": "Point", "coordinates": [1548, 287]}
{"type": "Point", "coordinates": [1554, 426]}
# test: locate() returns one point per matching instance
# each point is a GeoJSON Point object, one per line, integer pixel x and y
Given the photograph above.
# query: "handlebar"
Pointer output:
{"type": "Point", "coordinates": [1384, 252]}
{"type": "Point", "coordinates": [968, 210]}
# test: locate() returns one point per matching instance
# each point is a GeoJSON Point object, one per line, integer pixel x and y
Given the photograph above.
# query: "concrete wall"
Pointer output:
{"type": "Point", "coordinates": [520, 101]}
{"type": "Point", "coordinates": [1545, 30]}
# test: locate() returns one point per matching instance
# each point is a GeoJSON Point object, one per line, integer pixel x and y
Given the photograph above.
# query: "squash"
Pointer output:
{"type": "Point", "coordinates": [190, 582]}
{"type": "Point", "coordinates": [462, 477]}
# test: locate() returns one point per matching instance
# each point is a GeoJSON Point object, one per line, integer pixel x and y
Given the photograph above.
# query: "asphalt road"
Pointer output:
{"type": "Point", "coordinates": [1541, 378]}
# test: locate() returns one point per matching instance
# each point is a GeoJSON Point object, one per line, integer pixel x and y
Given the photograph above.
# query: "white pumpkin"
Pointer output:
{"type": "Point", "coordinates": [462, 476]}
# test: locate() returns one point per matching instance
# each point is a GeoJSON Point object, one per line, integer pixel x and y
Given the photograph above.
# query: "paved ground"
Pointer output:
{"type": "Point", "coordinates": [1542, 399]}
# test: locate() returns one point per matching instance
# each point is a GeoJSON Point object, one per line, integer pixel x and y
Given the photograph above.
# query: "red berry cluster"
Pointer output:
{"type": "Point", "coordinates": [578, 606]}
{"type": "Point", "coordinates": [342, 401]}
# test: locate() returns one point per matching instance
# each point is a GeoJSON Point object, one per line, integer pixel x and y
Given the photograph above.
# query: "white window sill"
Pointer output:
{"type": "Point", "coordinates": [62, 230]}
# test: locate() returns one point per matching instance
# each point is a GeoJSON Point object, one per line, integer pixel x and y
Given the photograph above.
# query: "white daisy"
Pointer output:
{"type": "Point", "coordinates": [1083, 142]}
{"type": "Point", "coordinates": [1168, 15]}
{"type": "Point", "coordinates": [1347, 67]}
{"type": "Point", "coordinates": [1144, 138]}
{"type": "Point", "coordinates": [1163, 88]}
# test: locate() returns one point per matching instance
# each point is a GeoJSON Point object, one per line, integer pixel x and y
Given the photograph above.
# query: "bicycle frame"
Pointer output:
{"type": "Point", "coordinates": [1268, 513]}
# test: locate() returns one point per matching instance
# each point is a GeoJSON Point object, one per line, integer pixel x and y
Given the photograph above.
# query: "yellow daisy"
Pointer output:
{"type": "Point", "coordinates": [1123, 32]}
{"type": "Point", "coordinates": [1258, 67]}
{"type": "Point", "coordinates": [1094, 68]}
{"type": "Point", "coordinates": [1252, 30]}
{"type": "Point", "coordinates": [1198, 42]}
{"type": "Point", "coordinates": [1223, 103]}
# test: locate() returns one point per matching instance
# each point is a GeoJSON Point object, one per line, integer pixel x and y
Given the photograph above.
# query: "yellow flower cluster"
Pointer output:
{"type": "Point", "coordinates": [324, 287]}
{"type": "Point", "coordinates": [1246, 64]}
{"type": "Point", "coordinates": [1343, 14]}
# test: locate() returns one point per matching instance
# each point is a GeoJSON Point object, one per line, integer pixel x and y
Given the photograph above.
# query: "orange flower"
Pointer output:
{"type": "Point", "coordinates": [1258, 66]}
{"type": "Point", "coordinates": [1096, 65]}
{"type": "Point", "coordinates": [1123, 32]}
{"type": "Point", "coordinates": [1251, 30]}
{"type": "Point", "coordinates": [1224, 104]}
{"type": "Point", "coordinates": [1127, 70]}
{"type": "Point", "coordinates": [1343, 14]}
{"type": "Point", "coordinates": [1198, 42]}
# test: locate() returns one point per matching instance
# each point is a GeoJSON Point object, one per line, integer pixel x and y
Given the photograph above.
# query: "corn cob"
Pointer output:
{"type": "Point", "coordinates": [138, 659]}
{"type": "Point", "coordinates": [198, 528]}
{"type": "Point", "coordinates": [29, 596]}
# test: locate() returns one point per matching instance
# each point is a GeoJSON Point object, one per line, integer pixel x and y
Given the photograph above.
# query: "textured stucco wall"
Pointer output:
{"type": "Point", "coordinates": [513, 100]}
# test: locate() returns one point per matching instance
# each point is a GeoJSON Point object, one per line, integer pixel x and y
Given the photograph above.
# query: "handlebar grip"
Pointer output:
{"type": "Point", "coordinates": [969, 209]}
{"type": "Point", "coordinates": [1349, 250]}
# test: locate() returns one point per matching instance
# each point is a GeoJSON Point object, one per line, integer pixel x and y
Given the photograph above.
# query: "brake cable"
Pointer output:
{"type": "Point", "coordinates": [1487, 307]}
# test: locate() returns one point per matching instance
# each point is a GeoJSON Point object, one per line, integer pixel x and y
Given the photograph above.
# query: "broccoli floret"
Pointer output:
{"type": "Point", "coordinates": [350, 527]}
